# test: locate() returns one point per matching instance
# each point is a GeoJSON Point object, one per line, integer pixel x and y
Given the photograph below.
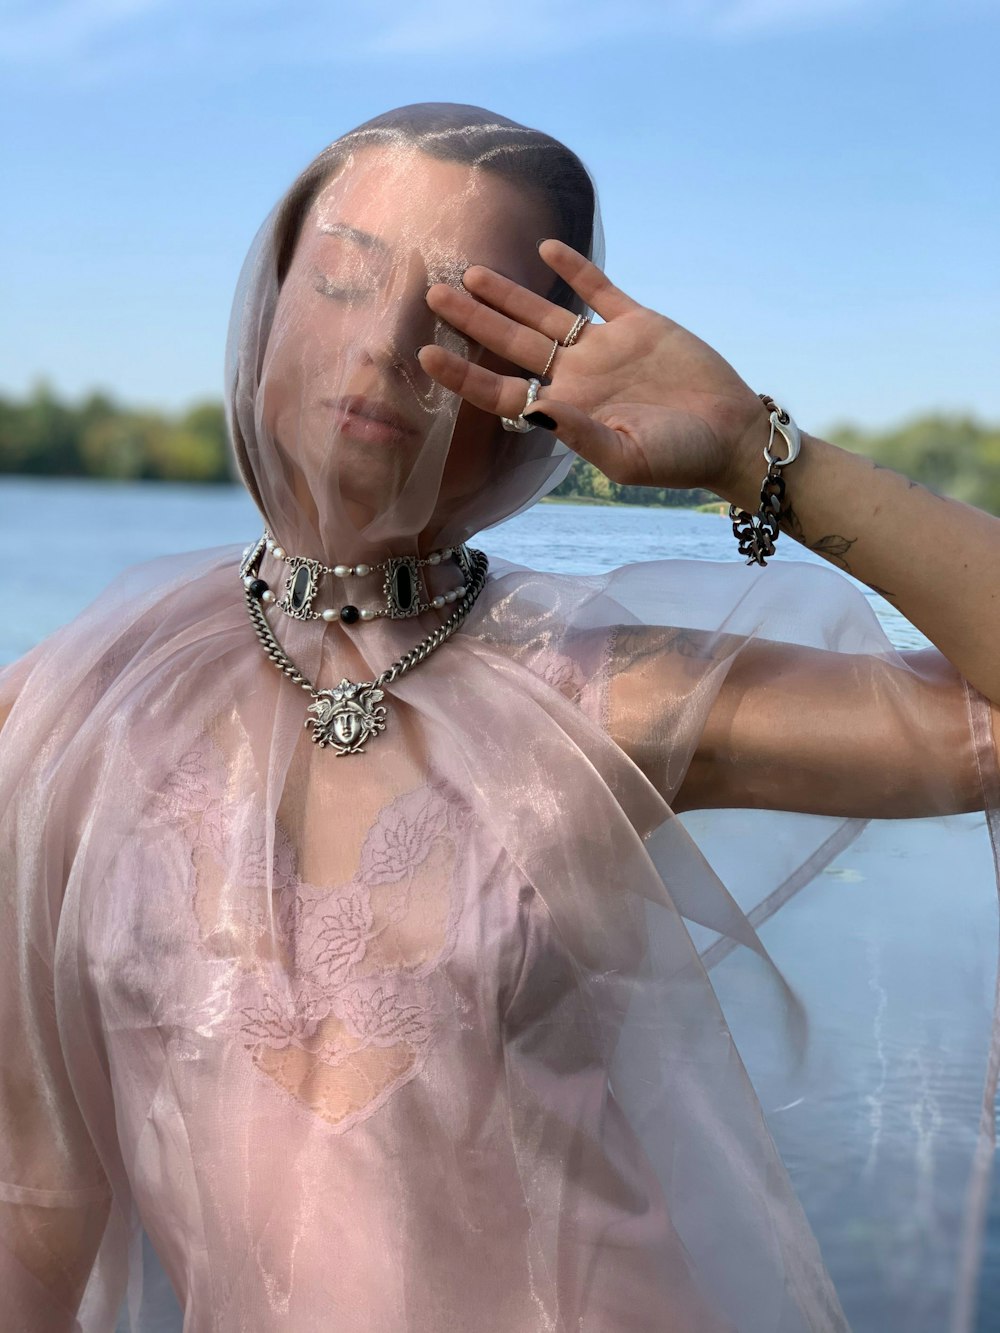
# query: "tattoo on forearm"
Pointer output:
{"type": "Point", "coordinates": [881, 467]}
{"type": "Point", "coordinates": [788, 519]}
{"type": "Point", "coordinates": [882, 592]}
{"type": "Point", "coordinates": [832, 547]}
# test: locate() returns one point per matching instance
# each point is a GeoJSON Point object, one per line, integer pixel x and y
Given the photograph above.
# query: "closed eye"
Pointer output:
{"type": "Point", "coordinates": [328, 287]}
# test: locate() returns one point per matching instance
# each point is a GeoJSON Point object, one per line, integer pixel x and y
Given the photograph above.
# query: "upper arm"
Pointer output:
{"type": "Point", "coordinates": [55, 1199]}
{"type": "Point", "coordinates": [781, 726]}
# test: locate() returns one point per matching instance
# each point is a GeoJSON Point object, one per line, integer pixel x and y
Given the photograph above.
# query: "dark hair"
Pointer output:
{"type": "Point", "coordinates": [453, 132]}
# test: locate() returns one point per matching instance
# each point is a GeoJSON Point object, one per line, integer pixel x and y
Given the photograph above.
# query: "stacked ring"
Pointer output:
{"type": "Point", "coordinates": [579, 324]}
{"type": "Point", "coordinates": [518, 424]}
{"type": "Point", "coordinates": [556, 344]}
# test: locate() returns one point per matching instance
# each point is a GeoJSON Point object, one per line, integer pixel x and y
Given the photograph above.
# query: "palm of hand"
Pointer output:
{"type": "Point", "coordinates": [638, 395]}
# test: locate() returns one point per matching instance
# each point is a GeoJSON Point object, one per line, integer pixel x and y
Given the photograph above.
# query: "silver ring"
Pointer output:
{"type": "Point", "coordinates": [579, 324]}
{"type": "Point", "coordinates": [552, 356]}
{"type": "Point", "coordinates": [518, 424]}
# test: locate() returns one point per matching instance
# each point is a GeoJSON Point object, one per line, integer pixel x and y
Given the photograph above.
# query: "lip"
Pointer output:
{"type": "Point", "coordinates": [370, 418]}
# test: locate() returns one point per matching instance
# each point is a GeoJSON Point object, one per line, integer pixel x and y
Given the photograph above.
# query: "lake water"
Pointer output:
{"type": "Point", "coordinates": [84, 532]}
{"type": "Point", "coordinates": [62, 541]}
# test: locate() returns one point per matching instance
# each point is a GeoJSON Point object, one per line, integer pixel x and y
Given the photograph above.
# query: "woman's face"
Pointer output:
{"type": "Point", "coordinates": [344, 394]}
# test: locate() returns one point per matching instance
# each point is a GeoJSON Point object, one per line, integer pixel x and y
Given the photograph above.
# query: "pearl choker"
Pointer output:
{"type": "Point", "coordinates": [402, 584]}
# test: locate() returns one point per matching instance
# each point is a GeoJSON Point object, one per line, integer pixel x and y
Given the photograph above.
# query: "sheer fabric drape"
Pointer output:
{"type": "Point", "coordinates": [382, 1045]}
{"type": "Point", "coordinates": [473, 1030]}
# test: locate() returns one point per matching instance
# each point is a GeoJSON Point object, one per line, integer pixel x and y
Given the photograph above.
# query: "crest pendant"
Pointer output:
{"type": "Point", "coordinates": [346, 716]}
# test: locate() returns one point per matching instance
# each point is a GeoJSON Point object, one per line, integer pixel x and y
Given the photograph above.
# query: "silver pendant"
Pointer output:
{"type": "Point", "coordinates": [346, 716]}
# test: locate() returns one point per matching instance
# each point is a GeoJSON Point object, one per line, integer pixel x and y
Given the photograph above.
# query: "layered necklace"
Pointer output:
{"type": "Point", "coordinates": [352, 713]}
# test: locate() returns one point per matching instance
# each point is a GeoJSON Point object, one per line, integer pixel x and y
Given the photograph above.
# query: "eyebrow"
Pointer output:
{"type": "Point", "coordinates": [355, 234]}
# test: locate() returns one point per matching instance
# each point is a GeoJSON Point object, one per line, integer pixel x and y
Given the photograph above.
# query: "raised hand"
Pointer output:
{"type": "Point", "coordinates": [639, 396]}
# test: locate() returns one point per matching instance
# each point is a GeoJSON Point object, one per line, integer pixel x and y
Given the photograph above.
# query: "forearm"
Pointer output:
{"type": "Point", "coordinates": [937, 560]}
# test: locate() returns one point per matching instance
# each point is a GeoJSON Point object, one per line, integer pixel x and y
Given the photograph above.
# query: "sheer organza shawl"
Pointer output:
{"type": "Point", "coordinates": [471, 1030]}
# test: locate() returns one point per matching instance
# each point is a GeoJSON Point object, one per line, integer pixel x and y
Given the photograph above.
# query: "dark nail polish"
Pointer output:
{"type": "Point", "coordinates": [418, 351]}
{"type": "Point", "coordinates": [541, 242]}
{"type": "Point", "coordinates": [540, 419]}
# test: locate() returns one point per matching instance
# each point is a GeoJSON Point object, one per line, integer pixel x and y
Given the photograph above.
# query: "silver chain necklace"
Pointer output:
{"type": "Point", "coordinates": [352, 712]}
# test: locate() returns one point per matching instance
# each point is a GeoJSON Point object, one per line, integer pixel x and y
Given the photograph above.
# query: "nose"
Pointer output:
{"type": "Point", "coordinates": [401, 320]}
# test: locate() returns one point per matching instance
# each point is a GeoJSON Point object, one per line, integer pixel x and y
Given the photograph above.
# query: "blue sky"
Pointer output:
{"type": "Point", "coordinates": [810, 185]}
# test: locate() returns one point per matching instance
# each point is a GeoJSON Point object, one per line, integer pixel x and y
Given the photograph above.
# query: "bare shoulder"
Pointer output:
{"type": "Point", "coordinates": [634, 645]}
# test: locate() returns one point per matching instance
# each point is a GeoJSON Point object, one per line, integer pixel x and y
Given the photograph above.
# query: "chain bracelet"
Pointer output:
{"type": "Point", "coordinates": [756, 534]}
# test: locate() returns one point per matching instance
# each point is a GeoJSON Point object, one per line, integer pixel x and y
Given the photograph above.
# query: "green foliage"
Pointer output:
{"type": "Point", "coordinates": [98, 438]}
{"type": "Point", "coordinates": [584, 481]}
{"type": "Point", "coordinates": [953, 455]}
{"type": "Point", "coordinates": [956, 456]}
{"type": "Point", "coordinates": [118, 446]}
{"type": "Point", "coordinates": [39, 435]}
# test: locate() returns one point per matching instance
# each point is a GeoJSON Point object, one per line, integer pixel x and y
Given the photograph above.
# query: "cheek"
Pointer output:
{"type": "Point", "coordinates": [309, 329]}
{"type": "Point", "coordinates": [277, 405]}
{"type": "Point", "coordinates": [305, 349]}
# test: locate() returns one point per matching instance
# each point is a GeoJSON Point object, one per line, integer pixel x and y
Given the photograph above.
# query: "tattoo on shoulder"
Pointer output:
{"type": "Point", "coordinates": [635, 643]}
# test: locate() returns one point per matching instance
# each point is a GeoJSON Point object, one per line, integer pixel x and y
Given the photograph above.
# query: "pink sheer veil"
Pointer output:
{"type": "Point", "coordinates": [284, 362]}
{"type": "Point", "coordinates": [298, 1040]}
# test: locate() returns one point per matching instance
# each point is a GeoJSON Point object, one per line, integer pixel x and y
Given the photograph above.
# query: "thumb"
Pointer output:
{"type": "Point", "coordinates": [591, 439]}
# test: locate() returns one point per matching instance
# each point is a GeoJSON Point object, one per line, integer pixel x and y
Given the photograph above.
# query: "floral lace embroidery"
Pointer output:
{"type": "Point", "coordinates": [350, 1012]}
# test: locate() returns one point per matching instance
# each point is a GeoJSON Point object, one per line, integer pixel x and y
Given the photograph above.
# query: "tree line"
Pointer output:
{"type": "Point", "coordinates": [44, 435]}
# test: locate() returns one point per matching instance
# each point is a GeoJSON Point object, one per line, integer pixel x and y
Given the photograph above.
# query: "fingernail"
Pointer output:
{"type": "Point", "coordinates": [418, 351]}
{"type": "Point", "coordinates": [540, 419]}
{"type": "Point", "coordinates": [541, 242]}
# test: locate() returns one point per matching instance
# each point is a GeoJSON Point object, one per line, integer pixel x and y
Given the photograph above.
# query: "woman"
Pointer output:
{"type": "Point", "coordinates": [424, 1039]}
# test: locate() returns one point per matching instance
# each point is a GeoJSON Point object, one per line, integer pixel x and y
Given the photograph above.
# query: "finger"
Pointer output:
{"type": "Point", "coordinates": [587, 280]}
{"type": "Point", "coordinates": [509, 339]}
{"type": "Point", "coordinates": [503, 395]}
{"type": "Point", "coordinates": [591, 439]}
{"type": "Point", "coordinates": [525, 307]}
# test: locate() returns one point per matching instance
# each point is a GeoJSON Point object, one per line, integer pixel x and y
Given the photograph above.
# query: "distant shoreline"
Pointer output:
{"type": "Point", "coordinates": [41, 434]}
{"type": "Point", "coordinates": [236, 484]}
{"type": "Point", "coordinates": [716, 507]}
